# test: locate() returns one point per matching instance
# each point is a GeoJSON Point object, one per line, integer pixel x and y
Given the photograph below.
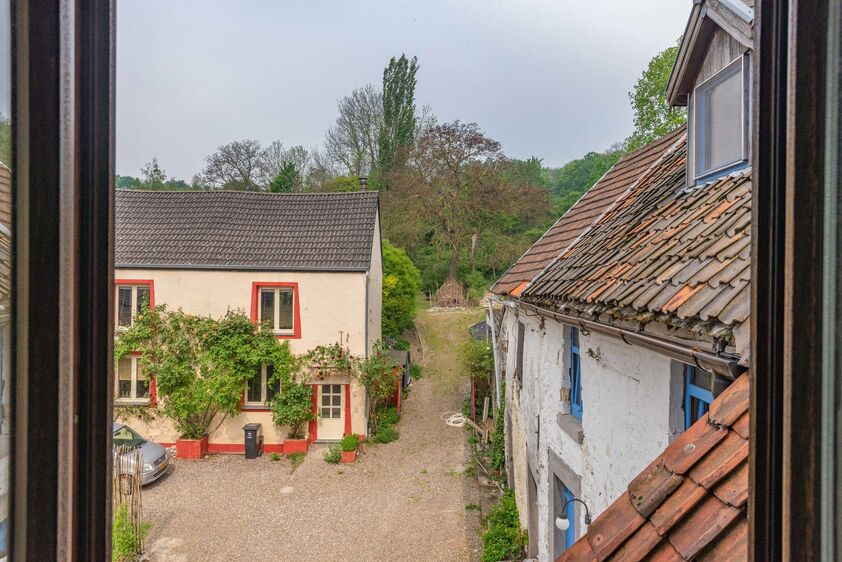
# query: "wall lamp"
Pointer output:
{"type": "Point", "coordinates": [563, 523]}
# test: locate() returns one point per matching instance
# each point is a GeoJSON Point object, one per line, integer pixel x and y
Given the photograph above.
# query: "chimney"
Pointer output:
{"type": "Point", "coordinates": [363, 182]}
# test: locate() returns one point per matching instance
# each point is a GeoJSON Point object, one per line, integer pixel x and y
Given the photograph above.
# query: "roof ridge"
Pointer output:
{"type": "Point", "coordinates": [242, 192]}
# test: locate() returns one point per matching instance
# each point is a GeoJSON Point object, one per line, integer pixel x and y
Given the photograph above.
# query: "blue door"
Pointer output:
{"type": "Point", "coordinates": [562, 540]}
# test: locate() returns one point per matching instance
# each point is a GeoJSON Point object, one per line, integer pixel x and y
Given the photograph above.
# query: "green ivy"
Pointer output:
{"type": "Point", "coordinates": [503, 538]}
{"type": "Point", "coordinates": [201, 364]}
{"type": "Point", "coordinates": [293, 407]}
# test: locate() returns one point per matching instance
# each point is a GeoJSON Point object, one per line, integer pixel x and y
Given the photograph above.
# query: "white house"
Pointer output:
{"type": "Point", "coordinates": [309, 263]}
{"type": "Point", "coordinates": [617, 330]}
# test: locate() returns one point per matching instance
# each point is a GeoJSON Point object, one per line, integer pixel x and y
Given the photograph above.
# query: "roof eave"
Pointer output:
{"type": "Point", "coordinates": [216, 267]}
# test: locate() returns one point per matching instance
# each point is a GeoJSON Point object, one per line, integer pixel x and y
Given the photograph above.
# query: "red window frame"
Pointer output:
{"type": "Point", "coordinates": [296, 305]}
{"type": "Point", "coordinates": [153, 387]}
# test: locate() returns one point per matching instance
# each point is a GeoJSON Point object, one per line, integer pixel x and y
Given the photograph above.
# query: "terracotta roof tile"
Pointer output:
{"type": "Point", "coordinates": [731, 546]}
{"type": "Point", "coordinates": [690, 501]}
{"type": "Point", "coordinates": [661, 247]}
{"type": "Point", "coordinates": [677, 505]}
{"type": "Point", "coordinates": [701, 526]}
{"type": "Point", "coordinates": [565, 230]}
{"type": "Point", "coordinates": [652, 486]}
{"type": "Point", "coordinates": [692, 445]}
{"type": "Point", "coordinates": [613, 527]}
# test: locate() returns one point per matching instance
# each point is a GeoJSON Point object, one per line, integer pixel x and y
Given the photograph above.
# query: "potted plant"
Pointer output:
{"type": "Point", "coordinates": [201, 366]}
{"type": "Point", "coordinates": [350, 443]}
{"type": "Point", "coordinates": [293, 407]}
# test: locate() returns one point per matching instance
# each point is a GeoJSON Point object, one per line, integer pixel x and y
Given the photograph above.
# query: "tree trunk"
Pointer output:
{"type": "Point", "coordinates": [454, 264]}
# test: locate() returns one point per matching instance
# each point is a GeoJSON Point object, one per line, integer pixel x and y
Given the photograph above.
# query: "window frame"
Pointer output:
{"type": "Point", "coordinates": [257, 289]}
{"type": "Point", "coordinates": [133, 284]}
{"type": "Point", "coordinates": [691, 390]}
{"type": "Point", "coordinates": [132, 400]}
{"type": "Point", "coordinates": [575, 373]}
{"type": "Point", "coordinates": [263, 404]}
{"type": "Point", "coordinates": [741, 66]}
{"type": "Point", "coordinates": [521, 338]}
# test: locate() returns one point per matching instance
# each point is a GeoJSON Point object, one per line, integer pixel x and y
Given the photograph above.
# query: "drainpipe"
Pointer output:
{"type": "Point", "coordinates": [490, 320]}
{"type": "Point", "coordinates": [724, 364]}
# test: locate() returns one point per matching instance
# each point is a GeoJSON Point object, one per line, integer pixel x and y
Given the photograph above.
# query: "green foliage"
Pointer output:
{"type": "Point", "coordinates": [286, 180]}
{"type": "Point", "coordinates": [503, 538]}
{"type": "Point", "coordinates": [380, 377]}
{"type": "Point", "coordinates": [653, 116]}
{"type": "Point", "coordinates": [201, 364]}
{"type": "Point", "coordinates": [350, 443]}
{"type": "Point", "coordinates": [397, 130]}
{"type": "Point", "coordinates": [296, 459]}
{"type": "Point", "coordinates": [401, 344]}
{"type": "Point", "coordinates": [126, 542]}
{"type": "Point", "coordinates": [477, 285]}
{"type": "Point", "coordinates": [274, 457]}
{"type": "Point", "coordinates": [333, 454]}
{"type": "Point", "coordinates": [498, 443]}
{"type": "Point", "coordinates": [293, 407]}
{"type": "Point", "coordinates": [478, 359]}
{"type": "Point", "coordinates": [343, 184]}
{"type": "Point", "coordinates": [472, 507]}
{"type": "Point", "coordinates": [5, 141]}
{"type": "Point", "coordinates": [416, 371]}
{"type": "Point", "coordinates": [389, 415]}
{"type": "Point", "coordinates": [577, 176]}
{"type": "Point", "coordinates": [386, 433]}
{"type": "Point", "coordinates": [401, 282]}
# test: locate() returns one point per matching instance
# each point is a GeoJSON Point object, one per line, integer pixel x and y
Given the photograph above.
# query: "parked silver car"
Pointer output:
{"type": "Point", "coordinates": [156, 460]}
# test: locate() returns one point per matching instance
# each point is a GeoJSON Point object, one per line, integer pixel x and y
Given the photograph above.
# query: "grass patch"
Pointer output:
{"type": "Point", "coordinates": [472, 506]}
{"type": "Point", "coordinates": [386, 433]}
{"type": "Point", "coordinates": [503, 538]}
{"type": "Point", "coordinates": [296, 459]}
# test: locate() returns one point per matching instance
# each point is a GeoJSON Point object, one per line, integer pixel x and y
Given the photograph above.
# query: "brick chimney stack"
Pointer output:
{"type": "Point", "coordinates": [363, 182]}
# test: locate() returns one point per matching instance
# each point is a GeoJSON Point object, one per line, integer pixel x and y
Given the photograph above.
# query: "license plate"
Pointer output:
{"type": "Point", "coordinates": [162, 466]}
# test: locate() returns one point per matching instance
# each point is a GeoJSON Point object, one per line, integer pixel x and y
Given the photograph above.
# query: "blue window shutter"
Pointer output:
{"type": "Point", "coordinates": [696, 398]}
{"type": "Point", "coordinates": [575, 375]}
{"type": "Point", "coordinates": [570, 533]}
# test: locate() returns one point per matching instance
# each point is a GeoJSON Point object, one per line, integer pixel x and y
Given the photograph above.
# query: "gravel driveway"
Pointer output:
{"type": "Point", "coordinates": [400, 501]}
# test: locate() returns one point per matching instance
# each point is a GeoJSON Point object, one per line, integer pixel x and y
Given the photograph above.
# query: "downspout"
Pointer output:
{"type": "Point", "coordinates": [725, 364]}
{"type": "Point", "coordinates": [490, 320]}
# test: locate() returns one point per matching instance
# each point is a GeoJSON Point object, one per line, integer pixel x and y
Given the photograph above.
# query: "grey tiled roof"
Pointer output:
{"type": "Point", "coordinates": [662, 249]}
{"type": "Point", "coordinates": [245, 230]}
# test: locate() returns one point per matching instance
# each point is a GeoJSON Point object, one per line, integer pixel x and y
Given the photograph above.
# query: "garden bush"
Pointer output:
{"type": "Point", "coordinates": [416, 371]}
{"type": "Point", "coordinates": [332, 455]}
{"type": "Point", "coordinates": [503, 538]}
{"type": "Point", "coordinates": [386, 433]}
{"type": "Point", "coordinates": [293, 407]}
{"type": "Point", "coordinates": [350, 443]}
{"type": "Point", "coordinates": [125, 541]}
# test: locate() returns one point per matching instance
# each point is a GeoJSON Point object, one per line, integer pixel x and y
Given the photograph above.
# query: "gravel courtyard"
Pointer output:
{"type": "Point", "coordinates": [400, 501]}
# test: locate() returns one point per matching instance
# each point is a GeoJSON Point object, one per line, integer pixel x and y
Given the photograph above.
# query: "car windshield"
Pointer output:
{"type": "Point", "coordinates": [126, 437]}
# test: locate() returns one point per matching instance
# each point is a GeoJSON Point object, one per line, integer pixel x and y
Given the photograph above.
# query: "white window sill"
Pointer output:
{"type": "Point", "coordinates": [255, 406]}
{"type": "Point", "coordinates": [130, 402]}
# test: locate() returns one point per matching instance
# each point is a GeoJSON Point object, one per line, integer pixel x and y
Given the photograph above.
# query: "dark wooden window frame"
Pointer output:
{"type": "Point", "coordinates": [63, 123]}
{"type": "Point", "coordinates": [788, 175]}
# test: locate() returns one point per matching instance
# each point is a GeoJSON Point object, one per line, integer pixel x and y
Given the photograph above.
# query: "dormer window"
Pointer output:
{"type": "Point", "coordinates": [720, 106]}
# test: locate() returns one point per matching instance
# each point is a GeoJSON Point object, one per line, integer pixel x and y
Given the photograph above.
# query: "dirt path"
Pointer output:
{"type": "Point", "coordinates": [401, 501]}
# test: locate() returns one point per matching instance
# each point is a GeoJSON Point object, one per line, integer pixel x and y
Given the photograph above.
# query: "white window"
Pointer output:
{"type": "Point", "coordinates": [132, 384]}
{"type": "Point", "coordinates": [331, 407]}
{"type": "Point", "coordinates": [276, 308]}
{"type": "Point", "coordinates": [720, 120]}
{"type": "Point", "coordinates": [131, 299]}
{"type": "Point", "coordinates": [262, 389]}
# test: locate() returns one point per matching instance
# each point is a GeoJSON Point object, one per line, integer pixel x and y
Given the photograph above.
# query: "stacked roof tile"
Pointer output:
{"type": "Point", "coordinates": [5, 242]}
{"type": "Point", "coordinates": [237, 229]}
{"type": "Point", "coordinates": [690, 503]}
{"type": "Point", "coordinates": [662, 248]}
{"type": "Point", "coordinates": [603, 193]}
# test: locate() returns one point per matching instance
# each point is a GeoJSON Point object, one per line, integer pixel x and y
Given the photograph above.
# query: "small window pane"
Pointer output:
{"type": "Point", "coordinates": [253, 390]}
{"type": "Point", "coordinates": [141, 385]}
{"type": "Point", "coordinates": [124, 306]}
{"type": "Point", "coordinates": [325, 400]}
{"type": "Point", "coordinates": [124, 378]}
{"type": "Point", "coordinates": [325, 389]}
{"type": "Point", "coordinates": [720, 122]}
{"type": "Point", "coordinates": [267, 307]}
{"type": "Point", "coordinates": [336, 413]}
{"type": "Point", "coordinates": [285, 320]}
{"type": "Point", "coordinates": [337, 400]}
{"type": "Point", "coordinates": [142, 297]}
{"type": "Point", "coordinates": [337, 389]}
{"type": "Point", "coordinates": [326, 413]}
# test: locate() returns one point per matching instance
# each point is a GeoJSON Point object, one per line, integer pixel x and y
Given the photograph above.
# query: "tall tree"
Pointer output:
{"type": "Point", "coordinates": [397, 131]}
{"type": "Point", "coordinates": [453, 188]}
{"type": "Point", "coordinates": [352, 141]}
{"type": "Point", "coordinates": [152, 176]}
{"type": "Point", "coordinates": [237, 165]}
{"type": "Point", "coordinates": [287, 180]}
{"type": "Point", "coordinates": [653, 116]}
{"type": "Point", "coordinates": [277, 160]}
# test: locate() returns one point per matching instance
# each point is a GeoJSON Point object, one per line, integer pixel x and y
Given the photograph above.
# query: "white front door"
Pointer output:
{"type": "Point", "coordinates": [331, 412]}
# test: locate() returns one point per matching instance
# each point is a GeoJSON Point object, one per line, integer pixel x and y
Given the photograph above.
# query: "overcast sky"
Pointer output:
{"type": "Point", "coordinates": [545, 77]}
